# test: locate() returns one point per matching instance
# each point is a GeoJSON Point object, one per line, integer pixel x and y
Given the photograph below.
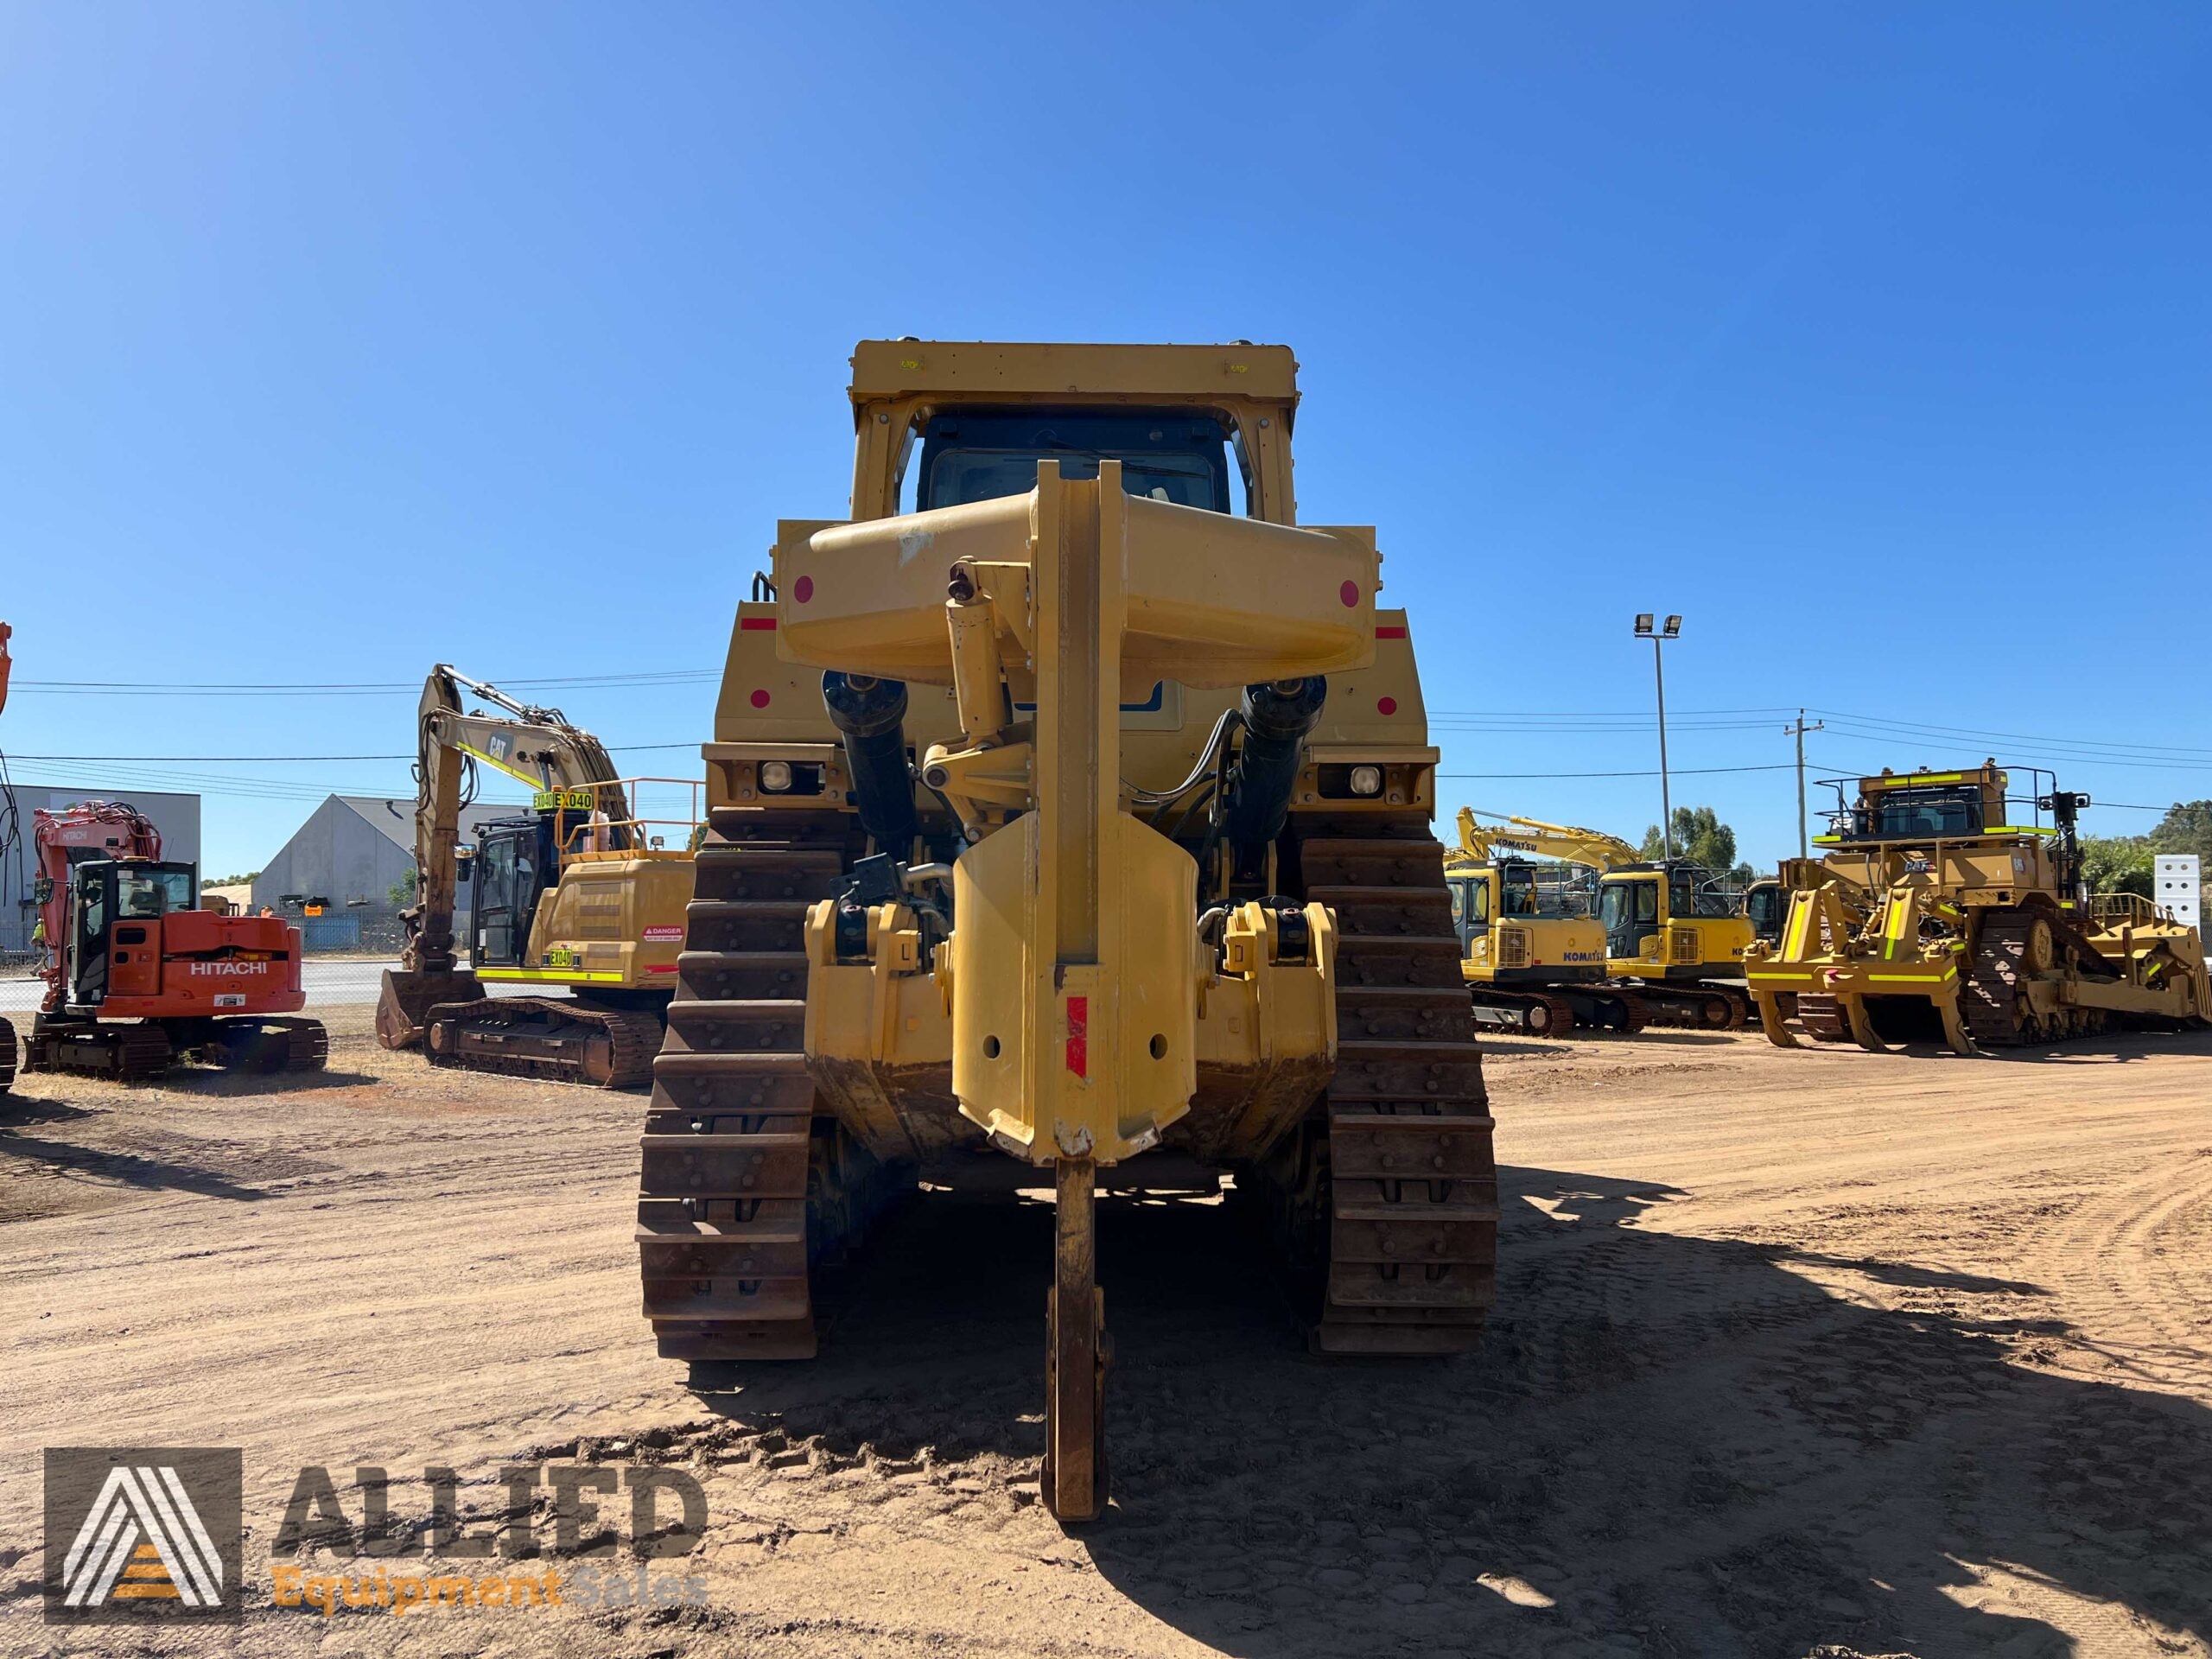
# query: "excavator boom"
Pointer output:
{"type": "Point", "coordinates": [577, 897]}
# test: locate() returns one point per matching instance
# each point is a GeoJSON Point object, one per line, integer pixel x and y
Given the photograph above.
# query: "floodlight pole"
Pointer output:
{"type": "Point", "coordinates": [1666, 801]}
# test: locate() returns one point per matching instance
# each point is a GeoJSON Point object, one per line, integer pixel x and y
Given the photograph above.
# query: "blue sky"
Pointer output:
{"type": "Point", "coordinates": [1877, 340]}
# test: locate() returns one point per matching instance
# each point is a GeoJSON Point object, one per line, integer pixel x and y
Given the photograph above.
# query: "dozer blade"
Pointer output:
{"type": "Point", "coordinates": [404, 1003]}
{"type": "Point", "coordinates": [1077, 1353]}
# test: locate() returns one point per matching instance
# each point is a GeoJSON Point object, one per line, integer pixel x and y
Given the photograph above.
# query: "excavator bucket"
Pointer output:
{"type": "Point", "coordinates": [404, 1005]}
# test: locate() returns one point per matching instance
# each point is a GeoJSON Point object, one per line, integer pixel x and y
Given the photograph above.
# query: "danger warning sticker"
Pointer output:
{"type": "Point", "coordinates": [655, 935]}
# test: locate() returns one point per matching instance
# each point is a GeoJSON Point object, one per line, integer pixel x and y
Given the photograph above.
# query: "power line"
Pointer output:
{"type": "Point", "coordinates": [1673, 772]}
{"type": "Point", "coordinates": [339, 689]}
{"type": "Point", "coordinates": [272, 759]}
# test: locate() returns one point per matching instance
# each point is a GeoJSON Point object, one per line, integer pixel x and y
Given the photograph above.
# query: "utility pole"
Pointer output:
{"type": "Point", "coordinates": [1798, 731]}
{"type": "Point", "coordinates": [1645, 630]}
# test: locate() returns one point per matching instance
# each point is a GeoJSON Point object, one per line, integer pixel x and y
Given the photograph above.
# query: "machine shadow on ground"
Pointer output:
{"type": "Point", "coordinates": [1666, 1444]}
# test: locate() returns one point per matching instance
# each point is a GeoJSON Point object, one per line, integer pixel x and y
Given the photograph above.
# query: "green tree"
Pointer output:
{"type": "Point", "coordinates": [1698, 835]}
{"type": "Point", "coordinates": [2187, 828]}
{"type": "Point", "coordinates": [2118, 864]}
{"type": "Point", "coordinates": [402, 892]}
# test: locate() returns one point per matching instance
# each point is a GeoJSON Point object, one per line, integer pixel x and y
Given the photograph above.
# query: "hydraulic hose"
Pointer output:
{"type": "Point", "coordinates": [1277, 715]}
{"type": "Point", "coordinates": [869, 715]}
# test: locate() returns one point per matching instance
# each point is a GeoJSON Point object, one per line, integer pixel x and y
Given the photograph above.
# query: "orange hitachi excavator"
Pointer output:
{"type": "Point", "coordinates": [139, 975]}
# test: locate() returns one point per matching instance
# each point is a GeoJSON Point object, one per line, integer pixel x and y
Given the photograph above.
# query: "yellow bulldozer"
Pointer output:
{"type": "Point", "coordinates": [580, 896]}
{"type": "Point", "coordinates": [1532, 953]}
{"type": "Point", "coordinates": [1944, 905]}
{"type": "Point", "coordinates": [1069, 813]}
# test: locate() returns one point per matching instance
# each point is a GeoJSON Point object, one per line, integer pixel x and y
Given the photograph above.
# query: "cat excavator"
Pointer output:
{"type": "Point", "coordinates": [1672, 937]}
{"type": "Point", "coordinates": [578, 896]}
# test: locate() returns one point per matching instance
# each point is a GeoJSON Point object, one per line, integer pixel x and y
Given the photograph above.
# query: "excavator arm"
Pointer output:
{"type": "Point", "coordinates": [532, 745]}
{"type": "Point", "coordinates": [1475, 843]}
{"type": "Point", "coordinates": [1592, 848]}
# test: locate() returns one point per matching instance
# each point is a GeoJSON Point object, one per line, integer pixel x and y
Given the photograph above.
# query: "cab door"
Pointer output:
{"type": "Point", "coordinates": [497, 942]}
{"type": "Point", "coordinates": [1470, 912]}
{"type": "Point", "coordinates": [1630, 909]}
{"type": "Point", "coordinates": [90, 911]}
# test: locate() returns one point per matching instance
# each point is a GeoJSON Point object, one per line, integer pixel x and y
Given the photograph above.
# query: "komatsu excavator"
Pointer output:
{"type": "Point", "coordinates": [1672, 937]}
{"type": "Point", "coordinates": [1534, 954]}
{"type": "Point", "coordinates": [578, 896]}
{"type": "Point", "coordinates": [1079, 810]}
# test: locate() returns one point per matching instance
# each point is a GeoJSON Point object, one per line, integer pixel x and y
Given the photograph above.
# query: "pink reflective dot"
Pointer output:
{"type": "Point", "coordinates": [759, 699]}
{"type": "Point", "coordinates": [1349, 593]}
{"type": "Point", "coordinates": [1386, 705]}
{"type": "Point", "coordinates": [802, 589]}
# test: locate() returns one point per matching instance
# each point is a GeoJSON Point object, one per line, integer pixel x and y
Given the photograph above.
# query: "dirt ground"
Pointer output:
{"type": "Point", "coordinates": [1794, 1353]}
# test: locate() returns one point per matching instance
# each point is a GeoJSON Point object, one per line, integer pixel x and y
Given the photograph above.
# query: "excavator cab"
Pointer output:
{"type": "Point", "coordinates": [1627, 905]}
{"type": "Point", "coordinates": [516, 862]}
{"type": "Point", "coordinates": [1765, 903]}
{"type": "Point", "coordinates": [1470, 905]}
{"type": "Point", "coordinates": [110, 903]}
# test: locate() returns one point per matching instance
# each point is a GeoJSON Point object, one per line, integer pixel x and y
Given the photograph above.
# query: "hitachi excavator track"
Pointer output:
{"type": "Point", "coordinates": [742, 1187]}
{"type": "Point", "coordinates": [557, 1038]}
{"type": "Point", "coordinates": [133, 1053]}
{"type": "Point", "coordinates": [122, 1053]}
{"type": "Point", "coordinates": [7, 1055]}
{"type": "Point", "coordinates": [272, 1042]}
{"type": "Point", "coordinates": [1396, 1183]}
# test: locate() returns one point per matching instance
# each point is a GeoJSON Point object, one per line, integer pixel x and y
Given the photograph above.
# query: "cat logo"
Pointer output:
{"type": "Point", "coordinates": [128, 1532]}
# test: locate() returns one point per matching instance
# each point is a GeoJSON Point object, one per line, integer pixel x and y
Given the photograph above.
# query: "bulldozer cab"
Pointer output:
{"type": "Point", "coordinates": [514, 864]}
{"type": "Point", "coordinates": [980, 454]}
{"type": "Point", "coordinates": [109, 904]}
{"type": "Point", "coordinates": [1944, 807]}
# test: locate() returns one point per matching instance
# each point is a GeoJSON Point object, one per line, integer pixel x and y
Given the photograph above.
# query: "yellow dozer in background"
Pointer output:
{"type": "Point", "coordinates": [1532, 953]}
{"type": "Point", "coordinates": [1070, 815]}
{"type": "Point", "coordinates": [1934, 910]}
{"type": "Point", "coordinates": [581, 897]}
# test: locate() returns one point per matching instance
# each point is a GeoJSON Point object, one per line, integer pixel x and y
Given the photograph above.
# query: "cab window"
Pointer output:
{"type": "Point", "coordinates": [148, 894]}
{"type": "Point", "coordinates": [982, 454]}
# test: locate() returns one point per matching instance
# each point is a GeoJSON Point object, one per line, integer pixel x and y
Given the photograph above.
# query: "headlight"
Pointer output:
{"type": "Point", "coordinates": [1367, 780]}
{"type": "Point", "coordinates": [775, 776]}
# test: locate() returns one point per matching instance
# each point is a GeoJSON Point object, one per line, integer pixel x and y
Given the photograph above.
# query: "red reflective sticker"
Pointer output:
{"type": "Point", "coordinates": [756, 624]}
{"type": "Point", "coordinates": [1386, 705]}
{"type": "Point", "coordinates": [761, 699]}
{"type": "Point", "coordinates": [1391, 631]}
{"type": "Point", "coordinates": [802, 589]}
{"type": "Point", "coordinates": [1349, 593]}
{"type": "Point", "coordinates": [1079, 1035]}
